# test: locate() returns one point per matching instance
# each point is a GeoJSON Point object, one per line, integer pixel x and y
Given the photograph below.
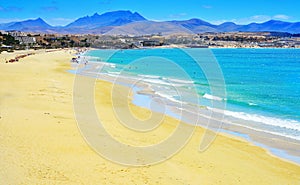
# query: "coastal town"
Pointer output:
{"type": "Point", "coordinates": [16, 40]}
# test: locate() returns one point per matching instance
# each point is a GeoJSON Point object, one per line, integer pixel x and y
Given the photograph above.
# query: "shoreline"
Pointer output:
{"type": "Point", "coordinates": [280, 146]}
{"type": "Point", "coordinates": [41, 143]}
{"type": "Point", "coordinates": [258, 138]}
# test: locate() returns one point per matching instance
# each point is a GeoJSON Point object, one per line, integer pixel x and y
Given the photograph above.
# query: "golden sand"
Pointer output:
{"type": "Point", "coordinates": [40, 142]}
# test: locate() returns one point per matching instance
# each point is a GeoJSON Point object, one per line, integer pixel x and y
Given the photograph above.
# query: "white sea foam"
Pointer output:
{"type": "Point", "coordinates": [296, 137]}
{"type": "Point", "coordinates": [103, 63]}
{"type": "Point", "coordinates": [149, 76]}
{"type": "Point", "coordinates": [252, 104]}
{"type": "Point", "coordinates": [157, 81]}
{"type": "Point", "coordinates": [165, 81]}
{"type": "Point", "coordinates": [168, 97]}
{"type": "Point", "coordinates": [211, 97]}
{"type": "Point", "coordinates": [180, 81]}
{"type": "Point", "coordinates": [285, 128]}
{"type": "Point", "coordinates": [277, 122]}
{"type": "Point", "coordinates": [113, 75]}
{"type": "Point", "coordinates": [89, 58]}
{"type": "Point", "coordinates": [116, 73]}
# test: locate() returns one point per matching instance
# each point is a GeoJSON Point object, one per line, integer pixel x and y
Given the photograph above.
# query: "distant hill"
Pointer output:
{"type": "Point", "coordinates": [148, 27]}
{"type": "Point", "coordinates": [129, 23]}
{"type": "Point", "coordinates": [116, 18]}
{"type": "Point", "coordinates": [196, 25]}
{"type": "Point", "coordinates": [228, 26]}
{"type": "Point", "coordinates": [36, 25]}
{"type": "Point", "coordinates": [4, 26]}
{"type": "Point", "coordinates": [272, 25]}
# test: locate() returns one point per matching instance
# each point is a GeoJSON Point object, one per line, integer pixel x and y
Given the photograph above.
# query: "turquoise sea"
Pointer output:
{"type": "Point", "coordinates": [262, 85]}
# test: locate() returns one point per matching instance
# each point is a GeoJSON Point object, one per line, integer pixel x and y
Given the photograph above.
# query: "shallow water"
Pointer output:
{"type": "Point", "coordinates": [262, 85]}
{"type": "Point", "coordinates": [262, 88]}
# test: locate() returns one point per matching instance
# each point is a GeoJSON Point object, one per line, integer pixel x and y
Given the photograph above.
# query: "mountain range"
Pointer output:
{"type": "Point", "coordinates": [129, 23]}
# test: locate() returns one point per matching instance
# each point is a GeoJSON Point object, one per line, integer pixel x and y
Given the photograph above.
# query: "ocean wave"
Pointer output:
{"type": "Point", "coordinates": [180, 81]}
{"type": "Point", "coordinates": [277, 122]}
{"type": "Point", "coordinates": [280, 127]}
{"type": "Point", "coordinates": [165, 80]}
{"type": "Point", "coordinates": [90, 58]}
{"type": "Point", "coordinates": [252, 104]}
{"type": "Point", "coordinates": [150, 76]}
{"type": "Point", "coordinates": [102, 63]}
{"type": "Point", "coordinates": [108, 64]}
{"type": "Point", "coordinates": [168, 97]}
{"type": "Point", "coordinates": [156, 81]}
{"type": "Point", "coordinates": [114, 72]}
{"type": "Point", "coordinates": [211, 97]}
{"type": "Point", "coordinates": [115, 75]}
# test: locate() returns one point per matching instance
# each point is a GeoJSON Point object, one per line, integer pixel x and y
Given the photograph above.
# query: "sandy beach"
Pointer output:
{"type": "Point", "coordinates": [40, 142]}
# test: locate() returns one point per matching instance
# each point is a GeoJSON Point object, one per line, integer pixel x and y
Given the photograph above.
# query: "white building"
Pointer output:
{"type": "Point", "coordinates": [3, 32]}
{"type": "Point", "coordinates": [17, 34]}
{"type": "Point", "coordinates": [25, 39]}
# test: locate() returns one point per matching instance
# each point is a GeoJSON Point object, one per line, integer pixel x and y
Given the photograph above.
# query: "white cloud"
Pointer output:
{"type": "Point", "coordinates": [282, 17]}
{"type": "Point", "coordinates": [8, 20]}
{"type": "Point", "coordinates": [260, 18]}
{"type": "Point", "coordinates": [254, 18]}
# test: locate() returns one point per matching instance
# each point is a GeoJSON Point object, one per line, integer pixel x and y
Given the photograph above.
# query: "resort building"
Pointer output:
{"type": "Point", "coordinates": [26, 39]}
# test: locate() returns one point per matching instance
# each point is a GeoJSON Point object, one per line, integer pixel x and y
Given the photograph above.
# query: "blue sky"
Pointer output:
{"type": "Point", "coordinates": [62, 12]}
